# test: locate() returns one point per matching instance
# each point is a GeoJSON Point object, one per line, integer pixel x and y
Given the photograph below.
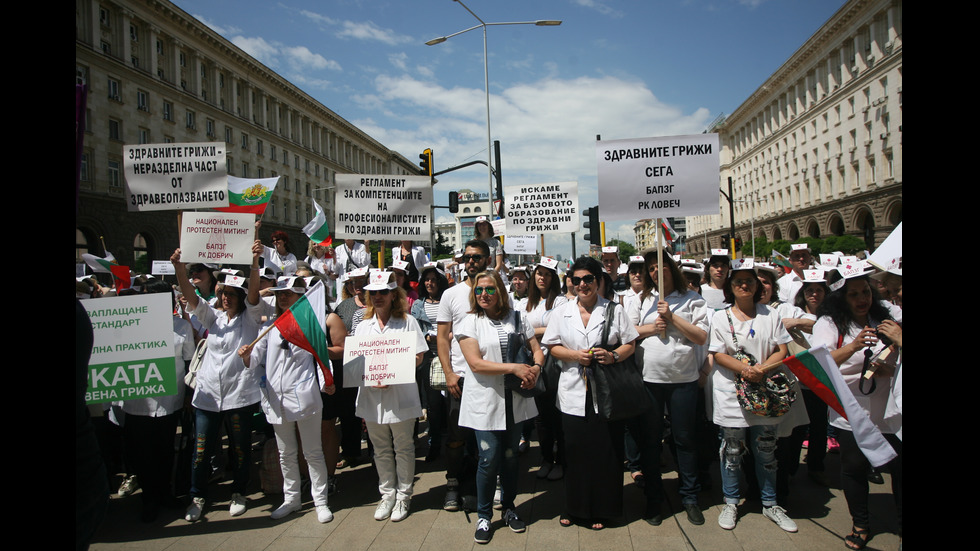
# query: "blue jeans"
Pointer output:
{"type": "Point", "coordinates": [208, 439]}
{"type": "Point", "coordinates": [763, 441]}
{"type": "Point", "coordinates": [498, 455]}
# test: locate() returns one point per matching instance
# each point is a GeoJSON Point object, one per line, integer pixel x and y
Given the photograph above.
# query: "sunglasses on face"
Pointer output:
{"type": "Point", "coordinates": [488, 290]}
{"type": "Point", "coordinates": [473, 257]}
{"type": "Point", "coordinates": [381, 292]}
{"type": "Point", "coordinates": [740, 282]}
{"type": "Point", "coordinates": [588, 280]}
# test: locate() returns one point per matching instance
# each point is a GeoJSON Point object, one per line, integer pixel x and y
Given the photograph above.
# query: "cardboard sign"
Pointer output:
{"type": "Point", "coordinates": [175, 176]}
{"type": "Point", "coordinates": [383, 206]}
{"type": "Point", "coordinates": [163, 267]}
{"type": "Point", "coordinates": [133, 350]}
{"type": "Point", "coordinates": [217, 237]}
{"type": "Point", "coordinates": [658, 177]}
{"type": "Point", "coordinates": [379, 360]}
{"type": "Point", "coordinates": [521, 244]}
{"type": "Point", "coordinates": [542, 208]}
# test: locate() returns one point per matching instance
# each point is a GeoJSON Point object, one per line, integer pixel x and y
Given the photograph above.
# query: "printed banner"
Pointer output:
{"type": "Point", "coordinates": [542, 208]}
{"type": "Point", "coordinates": [379, 360]}
{"type": "Point", "coordinates": [163, 267]}
{"type": "Point", "coordinates": [521, 244]}
{"type": "Point", "coordinates": [383, 207]}
{"type": "Point", "coordinates": [217, 237]}
{"type": "Point", "coordinates": [133, 351]}
{"type": "Point", "coordinates": [658, 177]}
{"type": "Point", "coordinates": [175, 176]}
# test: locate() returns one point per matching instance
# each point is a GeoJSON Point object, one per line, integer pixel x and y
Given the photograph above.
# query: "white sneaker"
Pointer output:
{"type": "Point", "coordinates": [384, 509]}
{"type": "Point", "coordinates": [286, 509]}
{"type": "Point", "coordinates": [778, 515]}
{"type": "Point", "coordinates": [195, 509]}
{"type": "Point", "coordinates": [128, 486]}
{"type": "Point", "coordinates": [728, 517]}
{"type": "Point", "coordinates": [323, 514]}
{"type": "Point", "coordinates": [238, 505]}
{"type": "Point", "coordinates": [400, 512]}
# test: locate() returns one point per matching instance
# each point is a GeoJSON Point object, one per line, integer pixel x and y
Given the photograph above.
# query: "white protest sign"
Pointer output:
{"type": "Point", "coordinates": [542, 208]}
{"type": "Point", "coordinates": [371, 206]}
{"type": "Point", "coordinates": [217, 237]}
{"type": "Point", "coordinates": [133, 348]}
{"type": "Point", "coordinates": [499, 227]}
{"type": "Point", "coordinates": [379, 360]}
{"type": "Point", "coordinates": [658, 177]}
{"type": "Point", "coordinates": [175, 176]}
{"type": "Point", "coordinates": [521, 244]}
{"type": "Point", "coordinates": [163, 267]}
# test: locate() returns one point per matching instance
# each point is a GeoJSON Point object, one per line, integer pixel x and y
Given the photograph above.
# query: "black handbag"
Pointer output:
{"type": "Point", "coordinates": [519, 352]}
{"type": "Point", "coordinates": [617, 389]}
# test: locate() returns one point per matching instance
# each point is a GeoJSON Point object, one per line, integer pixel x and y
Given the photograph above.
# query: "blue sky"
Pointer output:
{"type": "Point", "coordinates": [622, 69]}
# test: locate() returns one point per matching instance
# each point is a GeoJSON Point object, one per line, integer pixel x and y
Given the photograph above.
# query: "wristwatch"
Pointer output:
{"type": "Point", "coordinates": [615, 356]}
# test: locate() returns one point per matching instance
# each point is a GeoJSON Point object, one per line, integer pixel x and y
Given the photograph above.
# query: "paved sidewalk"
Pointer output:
{"type": "Point", "coordinates": [821, 514]}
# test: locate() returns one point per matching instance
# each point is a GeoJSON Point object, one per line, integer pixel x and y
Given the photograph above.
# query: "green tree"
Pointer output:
{"type": "Point", "coordinates": [626, 250]}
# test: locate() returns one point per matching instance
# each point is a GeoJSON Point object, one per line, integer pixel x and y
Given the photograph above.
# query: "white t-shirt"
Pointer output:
{"type": "Point", "coordinates": [674, 359]}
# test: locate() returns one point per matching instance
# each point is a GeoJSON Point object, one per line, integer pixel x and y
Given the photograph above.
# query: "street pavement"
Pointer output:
{"type": "Point", "coordinates": [820, 512]}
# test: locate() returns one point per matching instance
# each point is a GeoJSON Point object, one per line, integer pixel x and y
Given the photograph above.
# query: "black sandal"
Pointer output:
{"type": "Point", "coordinates": [857, 539]}
{"type": "Point", "coordinates": [565, 521]}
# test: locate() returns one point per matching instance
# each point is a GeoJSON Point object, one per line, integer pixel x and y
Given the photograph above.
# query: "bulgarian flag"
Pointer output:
{"type": "Point", "coordinates": [780, 260]}
{"type": "Point", "coordinates": [249, 195]}
{"type": "Point", "coordinates": [108, 265]}
{"type": "Point", "coordinates": [305, 325]}
{"type": "Point", "coordinates": [317, 229]}
{"type": "Point", "coordinates": [817, 369]}
{"type": "Point", "coordinates": [669, 234]}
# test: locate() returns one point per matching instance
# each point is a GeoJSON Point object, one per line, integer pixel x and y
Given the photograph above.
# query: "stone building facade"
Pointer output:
{"type": "Point", "coordinates": [816, 150]}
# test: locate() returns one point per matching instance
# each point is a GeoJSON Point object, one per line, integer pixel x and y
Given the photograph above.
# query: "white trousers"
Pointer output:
{"type": "Point", "coordinates": [394, 457]}
{"type": "Point", "coordinates": [309, 433]}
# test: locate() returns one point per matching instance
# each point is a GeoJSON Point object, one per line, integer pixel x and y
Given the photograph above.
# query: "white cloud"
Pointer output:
{"type": "Point", "coordinates": [223, 31]}
{"type": "Point", "coordinates": [369, 31]}
{"type": "Point", "coordinates": [300, 57]}
{"type": "Point", "coordinates": [259, 48]}
{"type": "Point", "coordinates": [600, 7]}
{"type": "Point", "coordinates": [398, 60]}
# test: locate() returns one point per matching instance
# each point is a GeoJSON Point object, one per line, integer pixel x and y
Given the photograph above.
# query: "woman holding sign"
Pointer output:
{"type": "Point", "coordinates": [224, 386]}
{"type": "Point", "coordinates": [390, 411]}
{"type": "Point", "coordinates": [291, 402]}
{"type": "Point", "coordinates": [496, 412]}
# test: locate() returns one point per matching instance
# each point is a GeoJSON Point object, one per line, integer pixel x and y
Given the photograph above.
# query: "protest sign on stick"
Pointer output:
{"type": "Point", "coordinates": [541, 208]}
{"type": "Point", "coordinates": [175, 176]}
{"type": "Point", "coordinates": [217, 237]}
{"type": "Point", "coordinates": [379, 360]}
{"type": "Point", "coordinates": [383, 207]}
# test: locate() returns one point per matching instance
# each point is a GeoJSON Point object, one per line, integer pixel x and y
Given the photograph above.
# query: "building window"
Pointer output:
{"type": "Point", "coordinates": [244, 141]}
{"type": "Point", "coordinates": [168, 111]}
{"type": "Point", "coordinates": [258, 147]}
{"type": "Point", "coordinates": [296, 162]}
{"type": "Point", "coordinates": [244, 169]}
{"type": "Point", "coordinates": [183, 59]}
{"type": "Point", "coordinates": [114, 131]}
{"type": "Point", "coordinates": [83, 169]}
{"type": "Point", "coordinates": [113, 174]}
{"type": "Point", "coordinates": [260, 173]}
{"type": "Point", "coordinates": [889, 166]}
{"type": "Point", "coordinates": [81, 74]}
{"type": "Point", "coordinates": [209, 127]}
{"type": "Point", "coordinates": [142, 101]}
{"type": "Point", "coordinates": [285, 183]}
{"type": "Point", "coordinates": [134, 34]}
{"type": "Point", "coordinates": [316, 169]}
{"type": "Point", "coordinates": [307, 166]}
{"type": "Point", "coordinates": [285, 157]}
{"type": "Point", "coordinates": [114, 89]}
{"type": "Point", "coordinates": [228, 135]}
{"type": "Point", "coordinates": [272, 152]}
{"type": "Point", "coordinates": [106, 47]}
{"type": "Point", "coordinates": [190, 120]}
{"type": "Point", "coordinates": [298, 219]}
{"type": "Point", "coordinates": [159, 47]}
{"type": "Point", "coordinates": [272, 208]}
{"type": "Point", "coordinates": [104, 16]}
{"type": "Point", "coordinates": [144, 136]}
{"type": "Point", "coordinates": [285, 211]}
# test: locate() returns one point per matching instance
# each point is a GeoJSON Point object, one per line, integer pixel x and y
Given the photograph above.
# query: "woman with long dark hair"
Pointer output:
{"type": "Point", "coordinates": [544, 298]}
{"type": "Point", "coordinates": [848, 325]}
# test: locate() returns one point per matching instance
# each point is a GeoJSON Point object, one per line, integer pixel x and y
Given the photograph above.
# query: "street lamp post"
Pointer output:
{"type": "Point", "coordinates": [486, 71]}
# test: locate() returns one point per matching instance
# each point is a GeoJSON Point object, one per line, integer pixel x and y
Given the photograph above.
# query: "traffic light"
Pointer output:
{"type": "Point", "coordinates": [593, 226]}
{"type": "Point", "coordinates": [426, 164]}
{"type": "Point", "coordinates": [453, 201]}
{"type": "Point", "coordinates": [738, 243]}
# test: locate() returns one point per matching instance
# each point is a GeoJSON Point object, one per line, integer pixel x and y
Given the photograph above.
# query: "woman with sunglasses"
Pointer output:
{"type": "Point", "coordinates": [292, 403]}
{"type": "Point", "coordinates": [496, 413]}
{"type": "Point", "coordinates": [484, 232]}
{"type": "Point", "coordinates": [224, 386]}
{"type": "Point", "coordinates": [745, 336]}
{"type": "Point", "coordinates": [544, 299]}
{"type": "Point", "coordinates": [593, 447]}
{"type": "Point", "coordinates": [848, 324]}
{"type": "Point", "coordinates": [390, 411]}
{"type": "Point", "coordinates": [278, 256]}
